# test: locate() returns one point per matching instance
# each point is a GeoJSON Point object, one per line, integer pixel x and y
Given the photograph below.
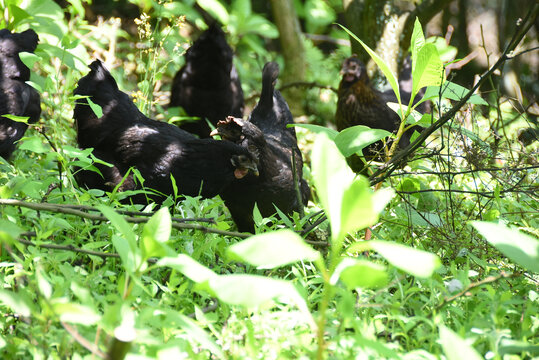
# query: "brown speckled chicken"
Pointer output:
{"type": "Point", "coordinates": [360, 104]}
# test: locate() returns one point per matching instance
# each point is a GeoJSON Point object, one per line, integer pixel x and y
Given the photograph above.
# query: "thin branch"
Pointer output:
{"type": "Point", "coordinates": [83, 341]}
{"type": "Point", "coordinates": [59, 208]}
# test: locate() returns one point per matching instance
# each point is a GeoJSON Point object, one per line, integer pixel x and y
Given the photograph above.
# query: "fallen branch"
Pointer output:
{"type": "Point", "coordinates": [69, 210]}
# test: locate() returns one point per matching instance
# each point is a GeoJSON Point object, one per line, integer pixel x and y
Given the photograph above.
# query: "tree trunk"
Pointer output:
{"type": "Point", "coordinates": [287, 22]}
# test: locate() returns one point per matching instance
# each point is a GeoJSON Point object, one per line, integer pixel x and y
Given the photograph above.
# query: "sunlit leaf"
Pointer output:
{"type": "Point", "coordinates": [76, 313]}
{"type": "Point", "coordinates": [187, 266]}
{"type": "Point", "coordinates": [413, 261]}
{"type": "Point", "coordinates": [273, 249]}
{"type": "Point", "coordinates": [317, 129]}
{"type": "Point", "coordinates": [455, 348]}
{"type": "Point", "coordinates": [359, 274]}
{"type": "Point", "coordinates": [428, 69]}
{"type": "Point", "coordinates": [332, 177]}
{"type": "Point", "coordinates": [155, 233]}
{"type": "Point", "coordinates": [519, 247]}
{"type": "Point", "coordinates": [18, 302]}
{"type": "Point", "coordinates": [356, 138]}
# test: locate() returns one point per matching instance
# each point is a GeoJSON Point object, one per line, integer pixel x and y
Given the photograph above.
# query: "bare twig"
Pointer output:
{"type": "Point", "coordinates": [59, 208]}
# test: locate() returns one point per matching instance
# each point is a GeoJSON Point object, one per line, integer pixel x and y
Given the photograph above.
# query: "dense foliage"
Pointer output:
{"type": "Point", "coordinates": [440, 261]}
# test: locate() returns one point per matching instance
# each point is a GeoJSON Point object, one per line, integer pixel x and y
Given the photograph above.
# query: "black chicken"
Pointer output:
{"type": "Point", "coordinates": [208, 86]}
{"type": "Point", "coordinates": [126, 138]}
{"type": "Point", "coordinates": [16, 97]}
{"type": "Point", "coordinates": [266, 136]}
{"type": "Point", "coordinates": [360, 104]}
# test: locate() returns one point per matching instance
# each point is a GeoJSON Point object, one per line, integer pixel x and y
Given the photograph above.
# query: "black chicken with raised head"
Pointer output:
{"type": "Point", "coordinates": [126, 138]}
{"type": "Point", "coordinates": [16, 97]}
{"type": "Point", "coordinates": [359, 103]}
{"type": "Point", "coordinates": [266, 135]}
{"type": "Point", "coordinates": [208, 86]}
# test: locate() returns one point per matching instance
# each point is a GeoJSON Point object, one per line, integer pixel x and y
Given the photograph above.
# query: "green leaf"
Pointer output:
{"type": "Point", "coordinates": [9, 231]}
{"type": "Point", "coordinates": [19, 302]}
{"type": "Point", "coordinates": [391, 78]}
{"type": "Point", "coordinates": [332, 177]}
{"type": "Point", "coordinates": [519, 247]}
{"type": "Point", "coordinates": [155, 233]}
{"type": "Point", "coordinates": [76, 313]}
{"type": "Point", "coordinates": [253, 291]}
{"type": "Point", "coordinates": [359, 274]}
{"type": "Point", "coordinates": [98, 111]}
{"type": "Point", "coordinates": [273, 249]}
{"type": "Point", "coordinates": [35, 145]}
{"type": "Point", "coordinates": [216, 9]}
{"type": "Point", "coordinates": [456, 348]}
{"type": "Point", "coordinates": [317, 129]}
{"type": "Point", "coordinates": [451, 91]}
{"type": "Point", "coordinates": [23, 119]}
{"type": "Point", "coordinates": [358, 207]}
{"type": "Point", "coordinates": [428, 69]}
{"type": "Point", "coordinates": [356, 138]}
{"type": "Point", "coordinates": [43, 284]}
{"type": "Point", "coordinates": [29, 59]}
{"type": "Point", "coordinates": [126, 244]}
{"type": "Point", "coordinates": [417, 41]}
{"type": "Point", "coordinates": [416, 262]}
{"type": "Point", "coordinates": [187, 266]}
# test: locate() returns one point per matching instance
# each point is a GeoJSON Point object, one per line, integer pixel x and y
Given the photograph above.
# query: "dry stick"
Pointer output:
{"type": "Point", "coordinates": [83, 341]}
{"type": "Point", "coordinates": [58, 208]}
{"type": "Point", "coordinates": [522, 28]}
{"type": "Point", "coordinates": [139, 213]}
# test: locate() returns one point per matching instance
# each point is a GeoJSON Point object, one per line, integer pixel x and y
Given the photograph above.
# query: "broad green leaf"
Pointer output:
{"type": "Point", "coordinates": [9, 231]}
{"type": "Point", "coordinates": [129, 258]}
{"type": "Point", "coordinates": [35, 145]}
{"type": "Point", "coordinates": [416, 262]}
{"type": "Point", "coordinates": [215, 8]}
{"type": "Point", "coordinates": [76, 313]}
{"type": "Point", "coordinates": [189, 267]}
{"type": "Point", "coordinates": [519, 247]}
{"type": "Point", "coordinates": [155, 233]}
{"type": "Point", "coordinates": [428, 69]}
{"type": "Point", "coordinates": [23, 119]}
{"type": "Point", "coordinates": [317, 129]}
{"type": "Point", "coordinates": [332, 177]}
{"type": "Point", "coordinates": [98, 111]}
{"type": "Point", "coordinates": [451, 91]}
{"type": "Point", "coordinates": [273, 249]}
{"type": "Point", "coordinates": [391, 78]}
{"type": "Point", "coordinates": [356, 138]}
{"type": "Point", "coordinates": [417, 41]}
{"type": "Point", "coordinates": [253, 291]}
{"type": "Point", "coordinates": [456, 348]}
{"type": "Point", "coordinates": [357, 210]}
{"type": "Point", "coordinates": [19, 302]}
{"type": "Point", "coordinates": [120, 224]}
{"type": "Point", "coordinates": [43, 284]}
{"type": "Point", "coordinates": [359, 274]}
{"type": "Point", "coordinates": [29, 59]}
